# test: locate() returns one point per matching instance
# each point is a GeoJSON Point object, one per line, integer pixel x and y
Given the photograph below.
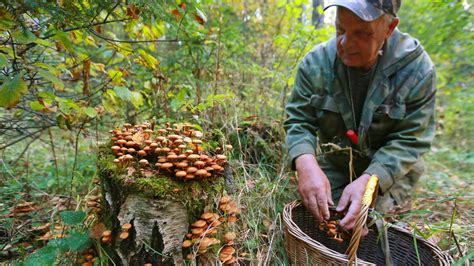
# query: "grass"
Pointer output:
{"type": "Point", "coordinates": [443, 201]}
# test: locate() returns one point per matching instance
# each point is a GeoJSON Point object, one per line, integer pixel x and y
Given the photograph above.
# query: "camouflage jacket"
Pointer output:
{"type": "Point", "coordinates": [397, 124]}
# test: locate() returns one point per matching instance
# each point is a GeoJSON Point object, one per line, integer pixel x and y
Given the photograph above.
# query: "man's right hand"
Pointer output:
{"type": "Point", "coordinates": [313, 186]}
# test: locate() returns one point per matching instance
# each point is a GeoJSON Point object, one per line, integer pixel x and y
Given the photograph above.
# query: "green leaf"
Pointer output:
{"type": "Point", "coordinates": [59, 243]}
{"type": "Point", "coordinates": [43, 42]}
{"type": "Point", "coordinates": [51, 77]}
{"type": "Point", "coordinates": [72, 217]}
{"type": "Point", "coordinates": [46, 66]}
{"type": "Point", "coordinates": [47, 95]}
{"type": "Point", "coordinates": [12, 91]}
{"type": "Point", "coordinates": [3, 60]}
{"type": "Point", "coordinates": [63, 38]}
{"type": "Point", "coordinates": [24, 36]}
{"type": "Point", "coordinates": [91, 112]}
{"type": "Point", "coordinates": [122, 92]}
{"type": "Point", "coordinates": [36, 106]}
{"type": "Point", "coordinates": [151, 61]}
{"type": "Point", "coordinates": [44, 256]}
{"type": "Point", "coordinates": [78, 241]}
{"type": "Point", "coordinates": [137, 99]}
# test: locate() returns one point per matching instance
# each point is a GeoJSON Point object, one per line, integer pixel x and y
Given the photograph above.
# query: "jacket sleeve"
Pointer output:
{"type": "Point", "coordinates": [300, 125]}
{"type": "Point", "coordinates": [410, 138]}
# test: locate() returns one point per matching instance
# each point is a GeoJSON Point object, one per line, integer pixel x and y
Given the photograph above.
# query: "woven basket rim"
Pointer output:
{"type": "Point", "coordinates": [293, 229]}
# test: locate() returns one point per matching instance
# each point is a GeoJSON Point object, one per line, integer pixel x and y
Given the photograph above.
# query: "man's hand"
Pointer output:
{"type": "Point", "coordinates": [313, 186]}
{"type": "Point", "coordinates": [352, 195]}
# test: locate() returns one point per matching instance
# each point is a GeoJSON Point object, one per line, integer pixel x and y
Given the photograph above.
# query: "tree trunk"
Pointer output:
{"type": "Point", "coordinates": [158, 208]}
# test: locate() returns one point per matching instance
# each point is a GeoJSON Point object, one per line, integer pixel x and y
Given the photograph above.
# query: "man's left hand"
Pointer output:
{"type": "Point", "coordinates": [352, 195]}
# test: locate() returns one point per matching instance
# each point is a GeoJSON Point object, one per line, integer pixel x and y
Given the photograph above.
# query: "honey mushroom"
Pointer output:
{"type": "Point", "coordinates": [125, 231]}
{"type": "Point", "coordinates": [169, 145]}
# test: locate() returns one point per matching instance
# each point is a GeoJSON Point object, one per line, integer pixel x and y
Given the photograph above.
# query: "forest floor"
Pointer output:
{"type": "Point", "coordinates": [32, 194]}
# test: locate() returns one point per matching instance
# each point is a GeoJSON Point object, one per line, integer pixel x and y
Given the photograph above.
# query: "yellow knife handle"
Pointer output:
{"type": "Point", "coordinates": [370, 189]}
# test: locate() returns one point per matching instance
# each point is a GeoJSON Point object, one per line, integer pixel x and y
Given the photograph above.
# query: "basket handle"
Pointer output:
{"type": "Point", "coordinates": [368, 200]}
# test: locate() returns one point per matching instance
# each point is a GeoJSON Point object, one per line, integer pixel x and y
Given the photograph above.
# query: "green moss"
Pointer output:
{"type": "Point", "coordinates": [194, 195]}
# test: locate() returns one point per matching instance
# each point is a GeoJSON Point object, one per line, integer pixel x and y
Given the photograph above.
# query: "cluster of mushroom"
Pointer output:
{"type": "Point", "coordinates": [107, 234]}
{"type": "Point", "coordinates": [332, 229]}
{"type": "Point", "coordinates": [87, 258]}
{"type": "Point", "coordinates": [173, 151]}
{"type": "Point", "coordinates": [207, 232]}
{"type": "Point", "coordinates": [93, 203]}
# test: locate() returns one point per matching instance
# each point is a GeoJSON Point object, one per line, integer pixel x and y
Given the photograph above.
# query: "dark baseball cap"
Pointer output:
{"type": "Point", "coordinates": [368, 10]}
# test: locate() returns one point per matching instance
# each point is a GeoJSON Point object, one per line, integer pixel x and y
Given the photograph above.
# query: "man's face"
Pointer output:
{"type": "Point", "coordinates": [359, 41]}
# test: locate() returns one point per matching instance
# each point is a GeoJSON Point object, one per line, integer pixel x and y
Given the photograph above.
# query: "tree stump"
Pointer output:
{"type": "Point", "coordinates": [159, 208]}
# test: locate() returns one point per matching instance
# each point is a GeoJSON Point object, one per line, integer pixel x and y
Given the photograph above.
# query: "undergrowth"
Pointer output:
{"type": "Point", "coordinates": [442, 210]}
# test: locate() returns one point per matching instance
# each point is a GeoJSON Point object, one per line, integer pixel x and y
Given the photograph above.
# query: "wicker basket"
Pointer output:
{"type": "Point", "coordinates": [305, 244]}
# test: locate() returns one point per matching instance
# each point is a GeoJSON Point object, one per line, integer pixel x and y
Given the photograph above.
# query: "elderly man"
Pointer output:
{"type": "Point", "coordinates": [366, 98]}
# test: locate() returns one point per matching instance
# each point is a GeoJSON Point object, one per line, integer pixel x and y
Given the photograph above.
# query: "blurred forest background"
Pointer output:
{"type": "Point", "coordinates": [70, 71]}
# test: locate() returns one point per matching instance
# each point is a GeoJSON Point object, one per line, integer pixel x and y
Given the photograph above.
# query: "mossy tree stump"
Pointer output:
{"type": "Point", "coordinates": [158, 207]}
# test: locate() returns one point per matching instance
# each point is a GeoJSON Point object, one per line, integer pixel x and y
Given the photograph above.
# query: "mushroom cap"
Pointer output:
{"type": "Point", "coordinates": [182, 146]}
{"type": "Point", "coordinates": [115, 148]}
{"type": "Point", "coordinates": [228, 146]}
{"type": "Point", "coordinates": [178, 142]}
{"type": "Point", "coordinates": [116, 161]}
{"type": "Point", "coordinates": [229, 236]}
{"type": "Point", "coordinates": [172, 157]}
{"type": "Point", "coordinates": [187, 243]}
{"type": "Point", "coordinates": [189, 176]}
{"type": "Point", "coordinates": [197, 141]}
{"type": "Point", "coordinates": [162, 160]}
{"type": "Point", "coordinates": [166, 149]}
{"type": "Point", "coordinates": [128, 157]}
{"type": "Point", "coordinates": [143, 162]}
{"type": "Point", "coordinates": [182, 156]}
{"type": "Point", "coordinates": [187, 140]}
{"type": "Point", "coordinates": [107, 233]}
{"type": "Point", "coordinates": [223, 257]}
{"type": "Point", "coordinates": [193, 157]}
{"type": "Point", "coordinates": [148, 130]}
{"type": "Point", "coordinates": [188, 152]}
{"type": "Point", "coordinates": [121, 141]}
{"type": "Point", "coordinates": [141, 153]}
{"type": "Point", "coordinates": [131, 150]}
{"type": "Point", "coordinates": [221, 157]}
{"type": "Point", "coordinates": [127, 226]}
{"type": "Point", "coordinates": [174, 137]}
{"type": "Point", "coordinates": [147, 142]}
{"type": "Point", "coordinates": [127, 125]}
{"type": "Point", "coordinates": [196, 134]}
{"type": "Point", "coordinates": [227, 250]}
{"type": "Point", "coordinates": [130, 143]}
{"type": "Point", "coordinates": [181, 174]}
{"type": "Point", "coordinates": [162, 131]}
{"type": "Point", "coordinates": [153, 145]}
{"type": "Point", "coordinates": [232, 219]}
{"type": "Point", "coordinates": [147, 148]}
{"type": "Point", "coordinates": [205, 241]}
{"type": "Point", "coordinates": [160, 138]}
{"type": "Point", "coordinates": [201, 172]}
{"type": "Point", "coordinates": [199, 223]}
{"type": "Point", "coordinates": [199, 164]}
{"type": "Point", "coordinates": [197, 230]}
{"type": "Point", "coordinates": [216, 167]}
{"type": "Point", "coordinates": [207, 215]}
{"type": "Point", "coordinates": [224, 199]}
{"type": "Point", "coordinates": [123, 235]}
{"type": "Point", "coordinates": [166, 165]}
{"type": "Point", "coordinates": [182, 165]}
